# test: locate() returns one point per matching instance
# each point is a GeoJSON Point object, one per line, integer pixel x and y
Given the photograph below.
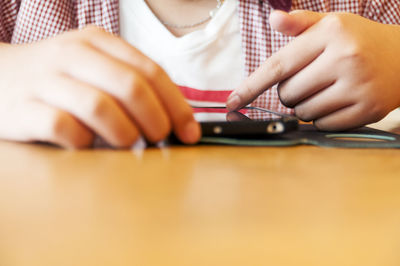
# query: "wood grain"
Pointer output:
{"type": "Point", "coordinates": [199, 206]}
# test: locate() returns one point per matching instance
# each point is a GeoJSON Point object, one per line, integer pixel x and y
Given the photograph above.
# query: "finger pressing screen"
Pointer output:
{"type": "Point", "coordinates": [280, 66]}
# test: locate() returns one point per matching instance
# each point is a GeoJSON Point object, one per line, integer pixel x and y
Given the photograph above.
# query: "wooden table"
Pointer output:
{"type": "Point", "coordinates": [199, 206]}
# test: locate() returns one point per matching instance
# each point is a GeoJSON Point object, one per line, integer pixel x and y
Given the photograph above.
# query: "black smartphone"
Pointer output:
{"type": "Point", "coordinates": [246, 122]}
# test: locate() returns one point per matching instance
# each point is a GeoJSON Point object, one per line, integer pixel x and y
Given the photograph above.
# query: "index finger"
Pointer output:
{"type": "Point", "coordinates": [285, 63]}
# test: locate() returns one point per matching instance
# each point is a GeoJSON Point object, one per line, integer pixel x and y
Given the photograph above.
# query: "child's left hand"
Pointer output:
{"type": "Point", "coordinates": [342, 70]}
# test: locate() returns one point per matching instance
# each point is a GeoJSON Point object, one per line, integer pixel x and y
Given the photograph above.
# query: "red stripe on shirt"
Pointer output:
{"type": "Point", "coordinates": [209, 110]}
{"type": "Point", "coordinates": [205, 95]}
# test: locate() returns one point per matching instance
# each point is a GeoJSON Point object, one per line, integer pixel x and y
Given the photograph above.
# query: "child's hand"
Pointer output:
{"type": "Point", "coordinates": [66, 89]}
{"type": "Point", "coordinates": [342, 71]}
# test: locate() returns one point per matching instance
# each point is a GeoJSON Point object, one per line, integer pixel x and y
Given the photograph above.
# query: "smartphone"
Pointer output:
{"type": "Point", "coordinates": [246, 122]}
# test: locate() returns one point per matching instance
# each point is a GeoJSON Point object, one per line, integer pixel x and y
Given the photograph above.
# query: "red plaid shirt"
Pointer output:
{"type": "Point", "coordinates": [32, 20]}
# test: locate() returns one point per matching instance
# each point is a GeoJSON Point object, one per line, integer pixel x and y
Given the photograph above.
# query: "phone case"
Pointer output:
{"type": "Point", "coordinates": [308, 135]}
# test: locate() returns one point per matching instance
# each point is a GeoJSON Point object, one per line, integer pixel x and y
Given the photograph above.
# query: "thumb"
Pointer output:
{"type": "Point", "coordinates": [295, 22]}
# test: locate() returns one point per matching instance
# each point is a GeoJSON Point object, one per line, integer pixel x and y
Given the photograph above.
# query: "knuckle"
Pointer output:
{"type": "Point", "coordinates": [82, 142]}
{"type": "Point", "coordinates": [132, 140]}
{"type": "Point", "coordinates": [65, 131]}
{"type": "Point", "coordinates": [74, 46]}
{"type": "Point", "coordinates": [276, 68]}
{"type": "Point", "coordinates": [127, 141]}
{"type": "Point", "coordinates": [164, 129]}
{"type": "Point", "coordinates": [58, 124]}
{"type": "Point", "coordinates": [163, 132]}
{"type": "Point", "coordinates": [98, 106]}
{"type": "Point", "coordinates": [57, 47]}
{"type": "Point", "coordinates": [333, 23]}
{"type": "Point", "coordinates": [354, 54]}
{"type": "Point", "coordinates": [91, 28]}
{"type": "Point", "coordinates": [302, 113]}
{"type": "Point", "coordinates": [185, 118]}
{"type": "Point", "coordinates": [248, 88]}
{"type": "Point", "coordinates": [133, 87]}
{"type": "Point", "coordinates": [324, 124]}
{"type": "Point", "coordinates": [68, 47]}
{"type": "Point", "coordinates": [376, 112]}
{"type": "Point", "coordinates": [157, 136]}
{"type": "Point", "coordinates": [153, 70]}
{"type": "Point", "coordinates": [286, 97]}
{"type": "Point", "coordinates": [319, 124]}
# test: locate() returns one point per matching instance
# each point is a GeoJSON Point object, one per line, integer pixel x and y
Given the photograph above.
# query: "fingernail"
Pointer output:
{"type": "Point", "coordinates": [192, 132]}
{"type": "Point", "coordinates": [233, 102]}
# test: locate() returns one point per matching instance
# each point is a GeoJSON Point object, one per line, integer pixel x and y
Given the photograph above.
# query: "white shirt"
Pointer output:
{"type": "Point", "coordinates": [206, 63]}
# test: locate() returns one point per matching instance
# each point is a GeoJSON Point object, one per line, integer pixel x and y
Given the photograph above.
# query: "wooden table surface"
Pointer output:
{"type": "Point", "coordinates": [199, 206]}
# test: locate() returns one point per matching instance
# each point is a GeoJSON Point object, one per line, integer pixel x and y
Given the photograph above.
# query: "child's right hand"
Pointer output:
{"type": "Point", "coordinates": [84, 83]}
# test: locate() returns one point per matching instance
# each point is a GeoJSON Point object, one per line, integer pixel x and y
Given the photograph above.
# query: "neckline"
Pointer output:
{"type": "Point", "coordinates": [221, 16]}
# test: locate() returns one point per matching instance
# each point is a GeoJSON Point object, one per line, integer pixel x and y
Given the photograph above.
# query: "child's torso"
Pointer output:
{"type": "Point", "coordinates": [207, 63]}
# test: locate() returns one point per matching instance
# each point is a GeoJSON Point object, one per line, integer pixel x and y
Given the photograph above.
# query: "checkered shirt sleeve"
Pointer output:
{"type": "Point", "coordinates": [25, 21]}
{"type": "Point", "coordinates": [8, 16]}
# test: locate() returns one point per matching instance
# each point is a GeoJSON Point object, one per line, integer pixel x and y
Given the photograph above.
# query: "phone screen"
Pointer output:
{"type": "Point", "coordinates": [221, 114]}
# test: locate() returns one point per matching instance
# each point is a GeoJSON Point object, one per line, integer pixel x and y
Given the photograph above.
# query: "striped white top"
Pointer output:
{"type": "Point", "coordinates": [207, 64]}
